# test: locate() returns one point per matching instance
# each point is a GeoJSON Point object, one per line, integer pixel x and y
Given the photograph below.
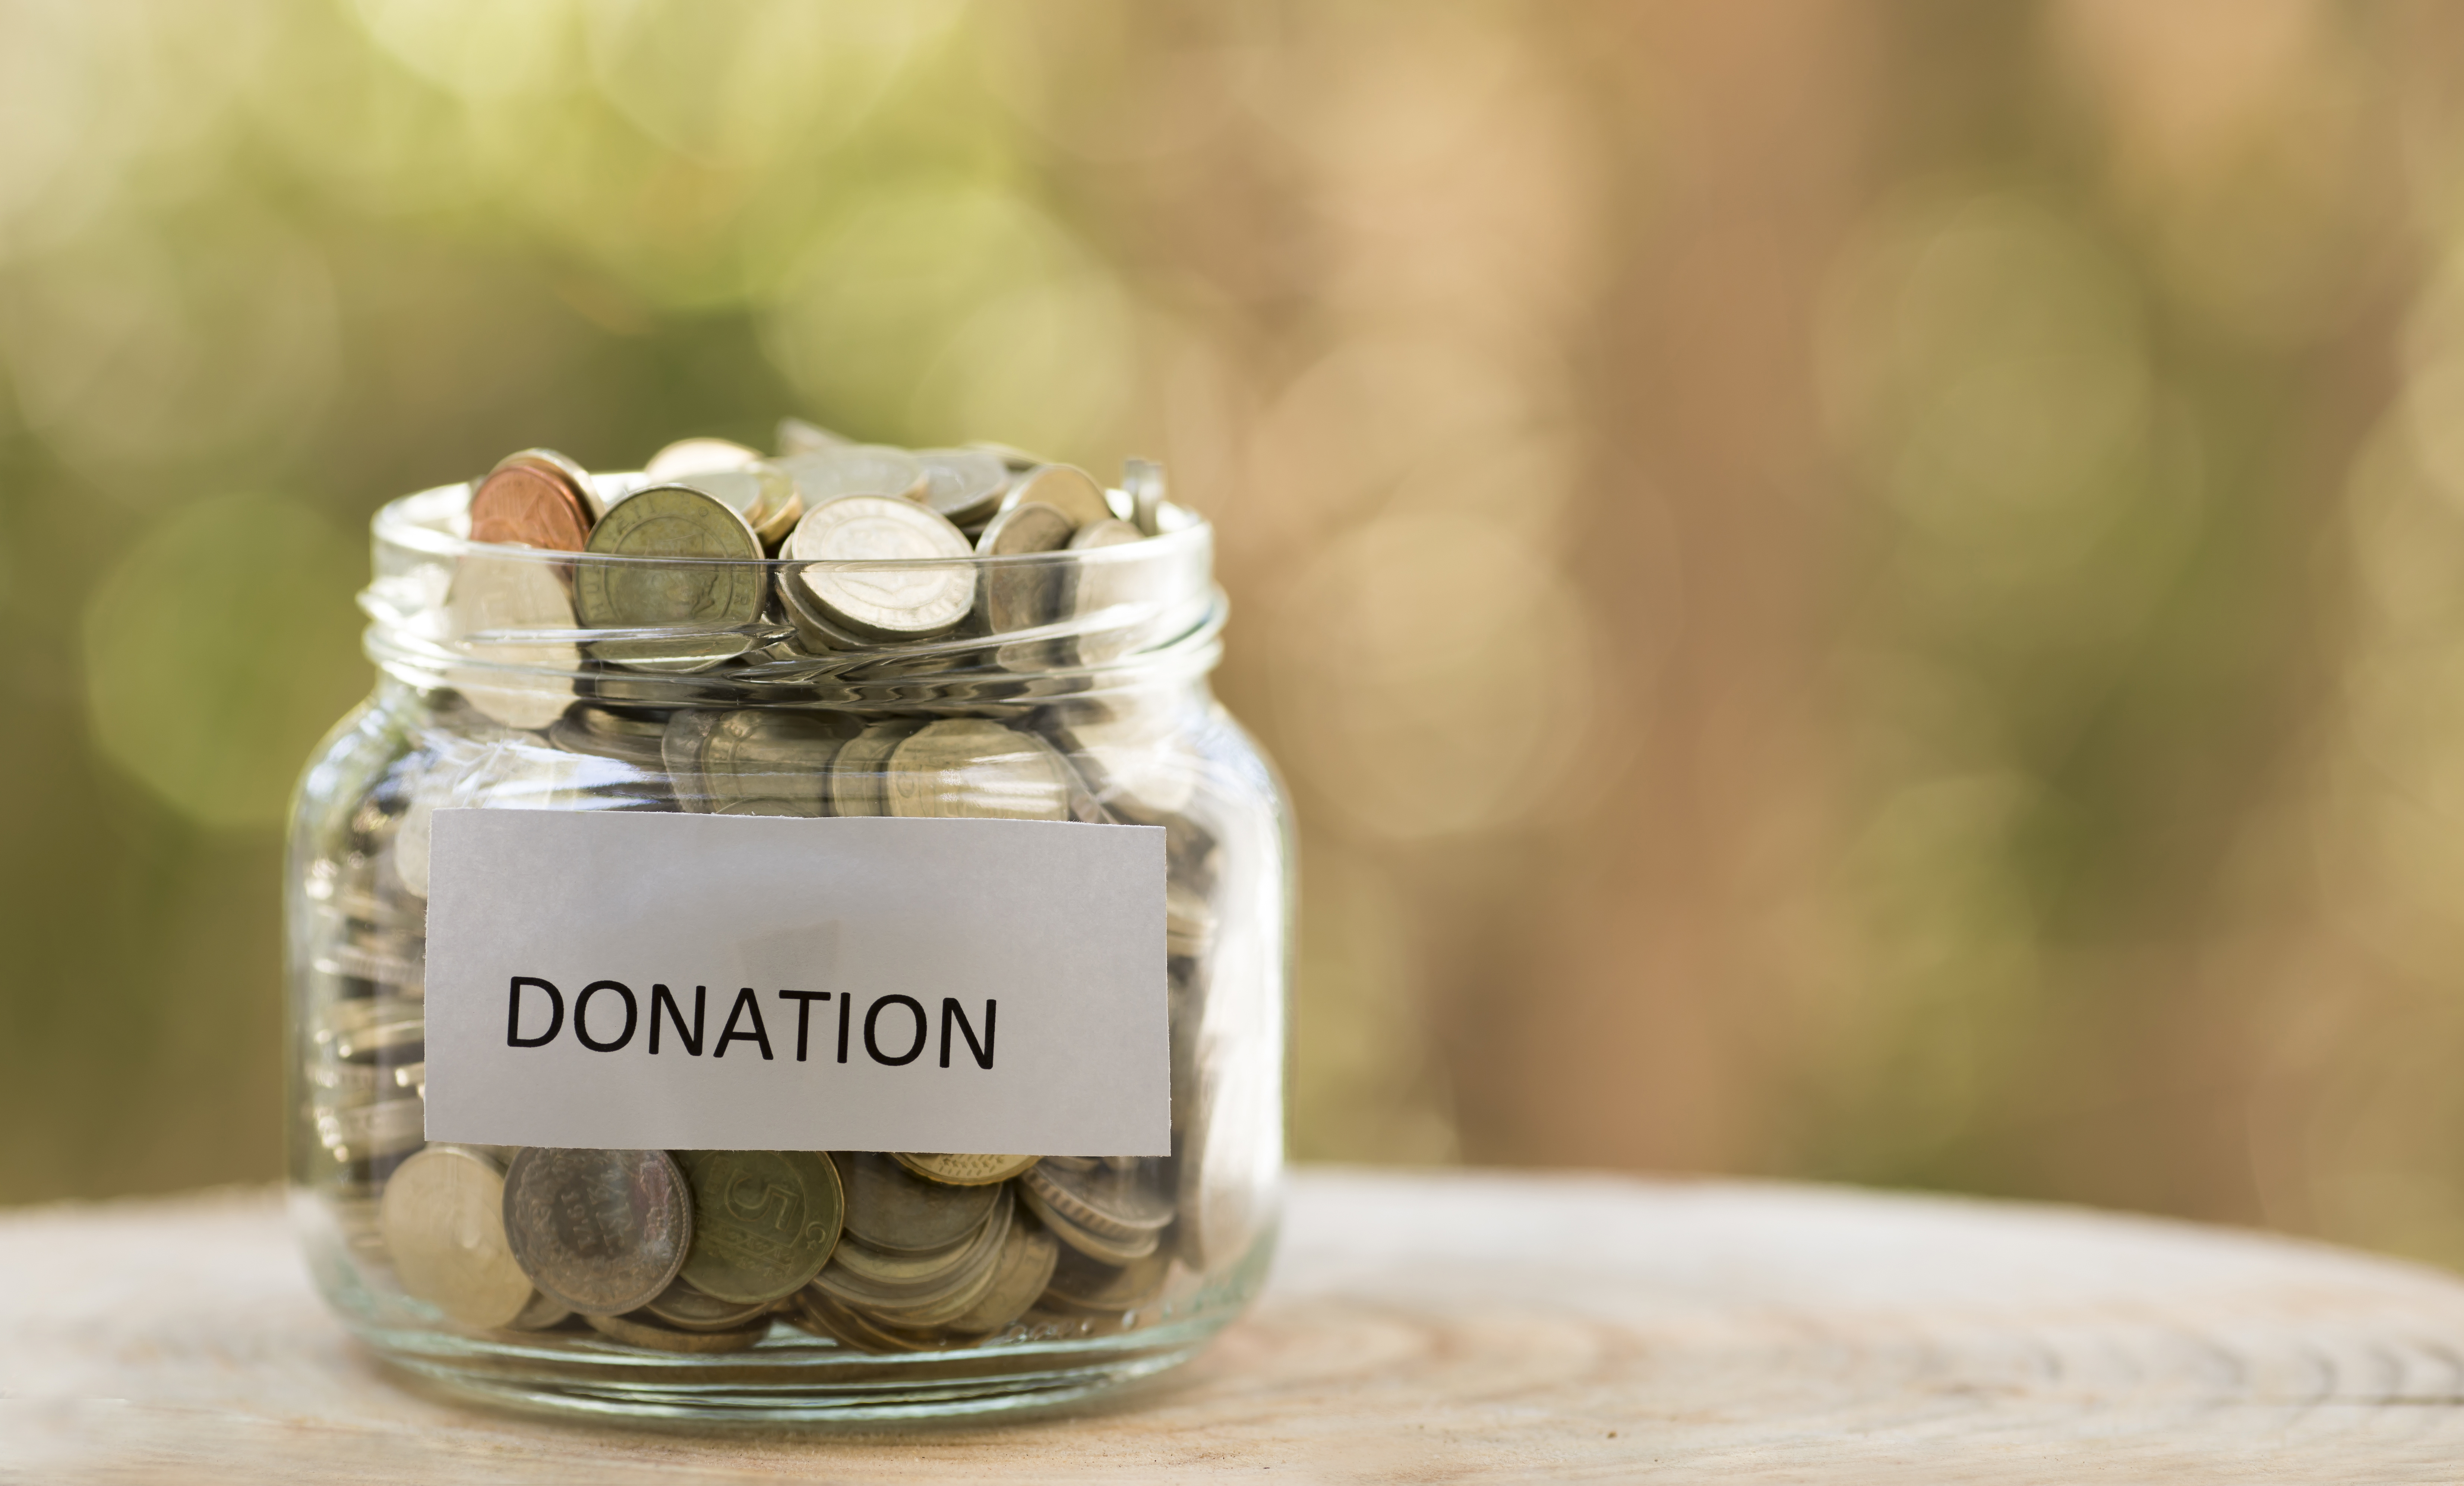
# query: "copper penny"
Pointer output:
{"type": "Point", "coordinates": [537, 497]}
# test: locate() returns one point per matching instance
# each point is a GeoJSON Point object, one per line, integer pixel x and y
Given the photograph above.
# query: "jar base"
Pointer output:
{"type": "Point", "coordinates": [787, 1380]}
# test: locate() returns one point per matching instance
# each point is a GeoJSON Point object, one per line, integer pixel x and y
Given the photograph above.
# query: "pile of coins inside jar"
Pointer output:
{"type": "Point", "coordinates": [696, 1252]}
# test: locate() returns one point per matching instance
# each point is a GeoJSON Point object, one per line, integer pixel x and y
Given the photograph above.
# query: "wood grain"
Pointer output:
{"type": "Point", "coordinates": [1463, 1327]}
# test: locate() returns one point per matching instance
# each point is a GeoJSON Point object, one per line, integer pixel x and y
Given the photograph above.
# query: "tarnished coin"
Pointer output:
{"type": "Point", "coordinates": [889, 1207]}
{"type": "Point", "coordinates": [677, 523]}
{"type": "Point", "coordinates": [963, 1171]}
{"type": "Point", "coordinates": [645, 1331]}
{"type": "Point", "coordinates": [765, 1221]}
{"type": "Point", "coordinates": [687, 1309]}
{"type": "Point", "coordinates": [600, 1231]}
{"type": "Point", "coordinates": [1080, 1283]}
{"type": "Point", "coordinates": [915, 599]}
{"type": "Point", "coordinates": [964, 484]}
{"type": "Point", "coordinates": [1027, 1256]}
{"type": "Point", "coordinates": [493, 599]}
{"type": "Point", "coordinates": [539, 498]}
{"type": "Point", "coordinates": [857, 774]}
{"type": "Point", "coordinates": [1142, 480]}
{"type": "Point", "coordinates": [698, 456]}
{"type": "Point", "coordinates": [1111, 532]}
{"type": "Point", "coordinates": [965, 766]}
{"type": "Point", "coordinates": [442, 1215]}
{"type": "Point", "coordinates": [1112, 1202]}
{"type": "Point", "coordinates": [842, 469]}
{"type": "Point", "coordinates": [540, 1315]}
{"type": "Point", "coordinates": [1066, 488]}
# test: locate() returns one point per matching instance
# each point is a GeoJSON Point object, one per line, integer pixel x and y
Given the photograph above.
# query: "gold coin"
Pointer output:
{"type": "Point", "coordinates": [765, 1221]}
{"type": "Point", "coordinates": [1116, 1203]}
{"type": "Point", "coordinates": [1080, 1283]}
{"type": "Point", "coordinates": [1066, 488]}
{"type": "Point", "coordinates": [1022, 1272]}
{"type": "Point", "coordinates": [889, 1207]}
{"type": "Point", "coordinates": [687, 1309]}
{"type": "Point", "coordinates": [442, 1218]}
{"type": "Point", "coordinates": [964, 1171]}
{"type": "Point", "coordinates": [1102, 1248]}
{"type": "Point", "coordinates": [888, 589]}
{"type": "Point", "coordinates": [712, 579]}
{"type": "Point", "coordinates": [642, 1331]}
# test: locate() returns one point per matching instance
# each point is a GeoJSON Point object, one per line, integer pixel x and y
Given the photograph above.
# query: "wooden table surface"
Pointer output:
{"type": "Point", "coordinates": [1425, 1328]}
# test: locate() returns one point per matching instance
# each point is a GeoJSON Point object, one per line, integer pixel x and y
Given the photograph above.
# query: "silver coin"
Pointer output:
{"type": "Point", "coordinates": [1066, 488]}
{"type": "Point", "coordinates": [495, 596]}
{"type": "Point", "coordinates": [711, 581]}
{"type": "Point", "coordinates": [775, 756]}
{"type": "Point", "coordinates": [857, 772]}
{"type": "Point", "coordinates": [913, 598]}
{"type": "Point", "coordinates": [699, 456]}
{"type": "Point", "coordinates": [842, 469]}
{"type": "Point", "coordinates": [1142, 480]}
{"type": "Point", "coordinates": [601, 1232]}
{"type": "Point", "coordinates": [1023, 595]}
{"type": "Point", "coordinates": [964, 484]}
{"type": "Point", "coordinates": [965, 766]}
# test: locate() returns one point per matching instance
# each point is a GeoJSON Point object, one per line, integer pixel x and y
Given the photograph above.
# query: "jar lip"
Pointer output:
{"type": "Point", "coordinates": [425, 522]}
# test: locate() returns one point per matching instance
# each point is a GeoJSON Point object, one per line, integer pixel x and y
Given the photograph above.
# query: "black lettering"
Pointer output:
{"type": "Point", "coordinates": [555, 1014]}
{"type": "Point", "coordinates": [950, 1013]}
{"type": "Point", "coordinates": [660, 998]}
{"type": "Point", "coordinates": [804, 1001]}
{"type": "Point", "coordinates": [581, 1005]}
{"type": "Point", "coordinates": [923, 1030]}
{"type": "Point", "coordinates": [846, 1004]}
{"type": "Point", "coordinates": [759, 1035]}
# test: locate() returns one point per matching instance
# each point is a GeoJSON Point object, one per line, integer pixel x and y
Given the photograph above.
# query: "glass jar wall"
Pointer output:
{"type": "Point", "coordinates": [1075, 689]}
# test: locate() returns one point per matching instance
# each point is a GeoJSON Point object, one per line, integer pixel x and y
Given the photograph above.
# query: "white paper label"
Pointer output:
{"type": "Point", "coordinates": [628, 980]}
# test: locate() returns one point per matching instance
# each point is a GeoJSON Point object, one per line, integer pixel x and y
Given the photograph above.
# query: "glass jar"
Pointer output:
{"type": "Point", "coordinates": [1076, 690]}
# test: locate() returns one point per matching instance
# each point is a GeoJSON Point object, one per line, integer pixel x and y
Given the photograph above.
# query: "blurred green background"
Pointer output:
{"type": "Point", "coordinates": [1859, 591]}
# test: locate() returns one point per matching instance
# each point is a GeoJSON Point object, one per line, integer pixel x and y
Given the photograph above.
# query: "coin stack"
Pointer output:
{"type": "Point", "coordinates": [602, 686]}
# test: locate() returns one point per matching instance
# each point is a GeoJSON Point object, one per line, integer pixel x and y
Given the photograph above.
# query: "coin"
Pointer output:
{"type": "Point", "coordinates": [602, 1232]}
{"type": "Point", "coordinates": [965, 766]}
{"type": "Point", "coordinates": [1111, 532]}
{"type": "Point", "coordinates": [765, 1221]}
{"type": "Point", "coordinates": [842, 469]}
{"type": "Point", "coordinates": [442, 1218]}
{"type": "Point", "coordinates": [891, 1208]}
{"type": "Point", "coordinates": [920, 1290]}
{"type": "Point", "coordinates": [856, 774]}
{"type": "Point", "coordinates": [539, 498]}
{"type": "Point", "coordinates": [912, 601]}
{"type": "Point", "coordinates": [677, 523]}
{"type": "Point", "coordinates": [964, 484]}
{"type": "Point", "coordinates": [682, 743]}
{"type": "Point", "coordinates": [1111, 1201]}
{"type": "Point", "coordinates": [494, 598]}
{"type": "Point", "coordinates": [1142, 479]}
{"type": "Point", "coordinates": [795, 436]}
{"type": "Point", "coordinates": [818, 1312]}
{"type": "Point", "coordinates": [1100, 1247]}
{"type": "Point", "coordinates": [645, 1331]}
{"type": "Point", "coordinates": [698, 456]}
{"type": "Point", "coordinates": [775, 756]}
{"type": "Point", "coordinates": [687, 1309]}
{"type": "Point", "coordinates": [1023, 595]}
{"type": "Point", "coordinates": [963, 1171]}
{"type": "Point", "coordinates": [1080, 1283]}
{"type": "Point", "coordinates": [1024, 1268]}
{"type": "Point", "coordinates": [1066, 488]}
{"type": "Point", "coordinates": [758, 492]}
